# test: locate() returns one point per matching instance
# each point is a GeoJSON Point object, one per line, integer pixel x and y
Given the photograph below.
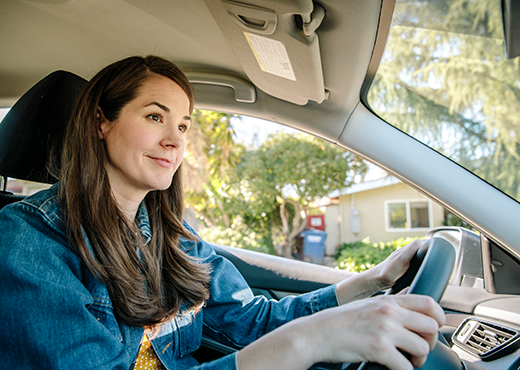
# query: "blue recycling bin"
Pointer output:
{"type": "Point", "coordinates": [314, 245]}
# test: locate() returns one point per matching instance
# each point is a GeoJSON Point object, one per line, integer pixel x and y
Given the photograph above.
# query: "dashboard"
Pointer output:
{"type": "Point", "coordinates": [491, 337]}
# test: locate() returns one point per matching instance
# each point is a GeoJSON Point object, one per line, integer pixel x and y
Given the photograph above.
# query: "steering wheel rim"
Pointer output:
{"type": "Point", "coordinates": [430, 270]}
{"type": "Point", "coordinates": [429, 273]}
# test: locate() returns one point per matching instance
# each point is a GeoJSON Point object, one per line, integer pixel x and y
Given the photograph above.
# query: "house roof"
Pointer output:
{"type": "Point", "coordinates": [364, 186]}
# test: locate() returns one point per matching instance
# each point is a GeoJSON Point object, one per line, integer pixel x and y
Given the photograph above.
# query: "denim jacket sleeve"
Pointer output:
{"type": "Point", "coordinates": [235, 317]}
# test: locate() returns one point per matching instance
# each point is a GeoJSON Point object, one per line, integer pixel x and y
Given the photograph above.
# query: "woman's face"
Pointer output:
{"type": "Point", "coordinates": [145, 145]}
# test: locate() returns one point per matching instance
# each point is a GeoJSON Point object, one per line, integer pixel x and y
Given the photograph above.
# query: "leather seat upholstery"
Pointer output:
{"type": "Point", "coordinates": [34, 125]}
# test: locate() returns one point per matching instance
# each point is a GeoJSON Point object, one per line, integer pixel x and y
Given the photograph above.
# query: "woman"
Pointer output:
{"type": "Point", "coordinates": [101, 272]}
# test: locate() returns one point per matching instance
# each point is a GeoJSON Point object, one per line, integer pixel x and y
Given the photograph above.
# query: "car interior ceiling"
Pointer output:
{"type": "Point", "coordinates": [97, 40]}
{"type": "Point", "coordinates": [345, 26]}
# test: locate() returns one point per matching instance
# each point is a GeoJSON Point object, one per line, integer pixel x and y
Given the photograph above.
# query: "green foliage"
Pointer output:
{"type": "Point", "coordinates": [286, 175]}
{"type": "Point", "coordinates": [211, 153]}
{"type": "Point", "coordinates": [237, 238]}
{"type": "Point", "coordinates": [261, 196]}
{"type": "Point", "coordinates": [456, 91]}
{"type": "Point", "coordinates": [453, 220]}
{"type": "Point", "coordinates": [299, 166]}
{"type": "Point", "coordinates": [362, 255]}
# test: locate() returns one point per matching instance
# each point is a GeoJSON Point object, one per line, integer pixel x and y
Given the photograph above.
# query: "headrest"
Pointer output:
{"type": "Point", "coordinates": [34, 124]}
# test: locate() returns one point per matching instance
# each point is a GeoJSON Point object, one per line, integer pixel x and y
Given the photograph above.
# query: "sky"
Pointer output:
{"type": "Point", "coordinates": [246, 127]}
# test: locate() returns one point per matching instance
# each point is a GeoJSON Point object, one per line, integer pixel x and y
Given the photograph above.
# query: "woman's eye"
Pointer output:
{"type": "Point", "coordinates": [183, 128]}
{"type": "Point", "coordinates": [155, 117]}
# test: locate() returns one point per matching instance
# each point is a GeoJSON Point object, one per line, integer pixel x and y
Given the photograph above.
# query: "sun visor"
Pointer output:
{"type": "Point", "coordinates": [276, 44]}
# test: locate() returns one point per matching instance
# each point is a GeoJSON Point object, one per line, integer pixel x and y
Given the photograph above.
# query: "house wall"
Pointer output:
{"type": "Point", "coordinates": [332, 228]}
{"type": "Point", "coordinates": [370, 205]}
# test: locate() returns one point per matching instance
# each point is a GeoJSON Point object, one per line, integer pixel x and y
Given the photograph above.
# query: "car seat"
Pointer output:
{"type": "Point", "coordinates": [35, 124]}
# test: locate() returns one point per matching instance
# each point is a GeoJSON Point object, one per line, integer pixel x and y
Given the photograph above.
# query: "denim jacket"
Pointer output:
{"type": "Point", "coordinates": [56, 315]}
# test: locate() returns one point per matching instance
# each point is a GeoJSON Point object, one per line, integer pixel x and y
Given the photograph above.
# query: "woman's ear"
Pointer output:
{"type": "Point", "coordinates": [101, 123]}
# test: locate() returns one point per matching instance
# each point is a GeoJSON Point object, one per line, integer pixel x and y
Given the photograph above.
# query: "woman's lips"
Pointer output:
{"type": "Point", "coordinates": [163, 162]}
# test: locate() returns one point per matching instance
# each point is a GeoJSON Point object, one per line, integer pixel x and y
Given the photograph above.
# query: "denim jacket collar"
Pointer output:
{"type": "Point", "coordinates": [143, 222]}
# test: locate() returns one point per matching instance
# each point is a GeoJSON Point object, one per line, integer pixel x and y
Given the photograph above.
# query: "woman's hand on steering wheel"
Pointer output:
{"type": "Point", "coordinates": [387, 272]}
{"type": "Point", "coordinates": [426, 268]}
{"type": "Point", "coordinates": [379, 277]}
{"type": "Point", "coordinates": [377, 329]}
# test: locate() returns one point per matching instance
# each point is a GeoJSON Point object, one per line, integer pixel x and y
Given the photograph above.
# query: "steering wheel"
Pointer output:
{"type": "Point", "coordinates": [429, 272]}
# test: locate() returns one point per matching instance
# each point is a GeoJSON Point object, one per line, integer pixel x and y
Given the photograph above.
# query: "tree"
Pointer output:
{"type": "Point", "coordinates": [280, 181]}
{"type": "Point", "coordinates": [211, 151]}
{"type": "Point", "coordinates": [456, 91]}
{"type": "Point", "coordinates": [258, 199]}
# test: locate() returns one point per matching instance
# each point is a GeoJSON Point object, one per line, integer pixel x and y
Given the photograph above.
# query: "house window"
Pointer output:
{"type": "Point", "coordinates": [404, 215]}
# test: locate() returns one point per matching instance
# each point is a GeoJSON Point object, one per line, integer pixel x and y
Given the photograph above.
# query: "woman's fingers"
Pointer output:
{"type": "Point", "coordinates": [393, 359]}
{"type": "Point", "coordinates": [400, 349]}
{"type": "Point", "coordinates": [391, 269]}
{"type": "Point", "coordinates": [423, 304]}
{"type": "Point", "coordinates": [414, 345]}
{"type": "Point", "coordinates": [379, 277]}
{"type": "Point", "coordinates": [380, 330]}
{"type": "Point", "coordinates": [422, 323]}
{"type": "Point", "coordinates": [414, 322]}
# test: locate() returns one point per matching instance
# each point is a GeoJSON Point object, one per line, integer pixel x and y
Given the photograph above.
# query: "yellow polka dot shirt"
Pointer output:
{"type": "Point", "coordinates": [147, 358]}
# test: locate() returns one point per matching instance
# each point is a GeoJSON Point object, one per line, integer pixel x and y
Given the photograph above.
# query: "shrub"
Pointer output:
{"type": "Point", "coordinates": [362, 255]}
{"type": "Point", "coordinates": [234, 238]}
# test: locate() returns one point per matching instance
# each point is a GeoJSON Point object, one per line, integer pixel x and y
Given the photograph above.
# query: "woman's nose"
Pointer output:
{"type": "Point", "coordinates": [173, 138]}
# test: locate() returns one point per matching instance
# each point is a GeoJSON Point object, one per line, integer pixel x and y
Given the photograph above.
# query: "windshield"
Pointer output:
{"type": "Point", "coordinates": [445, 79]}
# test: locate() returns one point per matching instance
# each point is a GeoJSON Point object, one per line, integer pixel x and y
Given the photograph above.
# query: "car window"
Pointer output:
{"type": "Point", "coordinates": [258, 185]}
{"type": "Point", "coordinates": [446, 80]}
{"type": "Point", "coordinates": [252, 183]}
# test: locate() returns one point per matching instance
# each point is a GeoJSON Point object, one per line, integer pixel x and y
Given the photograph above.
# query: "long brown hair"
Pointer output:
{"type": "Point", "coordinates": [147, 282]}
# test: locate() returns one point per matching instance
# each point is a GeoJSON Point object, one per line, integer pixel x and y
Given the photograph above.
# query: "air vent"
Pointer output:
{"type": "Point", "coordinates": [487, 340]}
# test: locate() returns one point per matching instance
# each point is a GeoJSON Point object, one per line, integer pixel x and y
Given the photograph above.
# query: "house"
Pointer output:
{"type": "Point", "coordinates": [383, 210]}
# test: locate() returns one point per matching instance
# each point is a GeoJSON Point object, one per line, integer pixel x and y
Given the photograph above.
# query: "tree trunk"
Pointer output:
{"type": "Point", "coordinates": [298, 225]}
{"type": "Point", "coordinates": [225, 216]}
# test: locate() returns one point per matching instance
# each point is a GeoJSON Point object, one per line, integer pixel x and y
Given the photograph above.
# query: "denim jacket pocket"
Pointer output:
{"type": "Point", "coordinates": [102, 310]}
{"type": "Point", "coordinates": [189, 325]}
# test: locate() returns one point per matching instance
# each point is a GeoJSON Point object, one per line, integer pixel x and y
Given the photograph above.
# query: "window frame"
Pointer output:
{"type": "Point", "coordinates": [408, 215]}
